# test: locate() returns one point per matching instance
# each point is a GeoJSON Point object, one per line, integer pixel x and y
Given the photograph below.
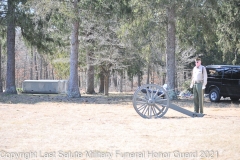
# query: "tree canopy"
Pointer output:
{"type": "Point", "coordinates": [133, 35]}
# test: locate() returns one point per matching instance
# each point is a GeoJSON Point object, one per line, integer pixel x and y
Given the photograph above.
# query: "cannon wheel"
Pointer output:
{"type": "Point", "coordinates": [151, 104]}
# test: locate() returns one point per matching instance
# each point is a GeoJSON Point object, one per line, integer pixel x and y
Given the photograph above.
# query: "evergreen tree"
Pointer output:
{"type": "Point", "coordinates": [1, 84]}
{"type": "Point", "coordinates": [227, 16]}
{"type": "Point", "coordinates": [73, 89]}
{"type": "Point", "coordinates": [11, 24]}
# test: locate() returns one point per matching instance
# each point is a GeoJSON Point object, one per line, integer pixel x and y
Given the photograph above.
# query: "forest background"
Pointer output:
{"type": "Point", "coordinates": [120, 43]}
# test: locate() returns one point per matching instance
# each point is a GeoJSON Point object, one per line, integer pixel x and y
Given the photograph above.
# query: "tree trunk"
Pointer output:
{"type": "Point", "coordinates": [90, 74]}
{"type": "Point", "coordinates": [31, 64]}
{"type": "Point", "coordinates": [148, 73]}
{"type": "Point", "coordinates": [131, 82]}
{"type": "Point", "coordinates": [120, 82]}
{"type": "Point", "coordinates": [24, 69]}
{"type": "Point", "coordinates": [106, 84]}
{"type": "Point", "coordinates": [73, 89]}
{"type": "Point", "coordinates": [152, 74]}
{"type": "Point", "coordinates": [1, 87]}
{"type": "Point", "coordinates": [10, 81]}
{"type": "Point", "coordinates": [139, 79]}
{"type": "Point", "coordinates": [101, 85]}
{"type": "Point", "coordinates": [170, 51]}
{"type": "Point", "coordinates": [41, 67]}
{"type": "Point", "coordinates": [35, 65]}
{"type": "Point", "coordinates": [164, 79]}
{"type": "Point", "coordinates": [46, 71]}
{"type": "Point", "coordinates": [53, 74]}
{"type": "Point", "coordinates": [50, 72]}
{"type": "Point", "coordinates": [114, 80]}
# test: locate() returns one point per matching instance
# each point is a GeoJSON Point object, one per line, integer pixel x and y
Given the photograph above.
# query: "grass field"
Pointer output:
{"type": "Point", "coordinates": [100, 127]}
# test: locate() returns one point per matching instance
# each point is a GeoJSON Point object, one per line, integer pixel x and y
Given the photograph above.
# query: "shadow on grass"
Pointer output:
{"type": "Point", "coordinates": [113, 98]}
{"type": "Point", "coordinates": [174, 117]}
{"type": "Point", "coordinates": [223, 103]}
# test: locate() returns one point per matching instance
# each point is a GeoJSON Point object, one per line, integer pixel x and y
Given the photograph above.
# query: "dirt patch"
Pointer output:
{"type": "Point", "coordinates": [100, 127]}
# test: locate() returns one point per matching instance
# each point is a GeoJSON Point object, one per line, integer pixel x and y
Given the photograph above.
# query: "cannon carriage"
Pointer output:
{"type": "Point", "coordinates": [152, 101]}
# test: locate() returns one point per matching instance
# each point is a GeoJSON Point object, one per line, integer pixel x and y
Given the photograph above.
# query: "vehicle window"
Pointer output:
{"type": "Point", "coordinates": [227, 73]}
{"type": "Point", "coordinates": [215, 72]}
{"type": "Point", "coordinates": [236, 73]}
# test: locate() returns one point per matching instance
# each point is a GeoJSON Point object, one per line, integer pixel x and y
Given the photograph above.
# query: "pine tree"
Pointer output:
{"type": "Point", "coordinates": [1, 84]}
{"type": "Point", "coordinates": [73, 89]}
{"type": "Point", "coordinates": [10, 78]}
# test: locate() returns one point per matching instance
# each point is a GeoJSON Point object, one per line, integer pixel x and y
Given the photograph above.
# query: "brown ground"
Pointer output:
{"type": "Point", "coordinates": [94, 127]}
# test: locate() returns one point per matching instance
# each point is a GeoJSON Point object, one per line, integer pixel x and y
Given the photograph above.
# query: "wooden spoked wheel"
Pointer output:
{"type": "Point", "coordinates": [151, 101]}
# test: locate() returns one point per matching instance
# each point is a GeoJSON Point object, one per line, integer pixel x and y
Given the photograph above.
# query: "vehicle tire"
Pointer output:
{"type": "Point", "coordinates": [234, 98]}
{"type": "Point", "coordinates": [214, 95]}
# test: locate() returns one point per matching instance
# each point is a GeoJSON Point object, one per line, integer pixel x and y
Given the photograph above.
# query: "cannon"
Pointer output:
{"type": "Point", "coordinates": [152, 101]}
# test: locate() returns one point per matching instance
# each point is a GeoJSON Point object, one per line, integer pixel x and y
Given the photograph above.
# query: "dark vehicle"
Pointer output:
{"type": "Point", "coordinates": [223, 81]}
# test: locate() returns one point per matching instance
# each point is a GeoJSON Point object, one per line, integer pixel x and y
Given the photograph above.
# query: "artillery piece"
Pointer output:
{"type": "Point", "coordinates": [152, 101]}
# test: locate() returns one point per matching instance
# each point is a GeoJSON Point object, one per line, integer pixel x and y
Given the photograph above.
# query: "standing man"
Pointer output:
{"type": "Point", "coordinates": [198, 83]}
